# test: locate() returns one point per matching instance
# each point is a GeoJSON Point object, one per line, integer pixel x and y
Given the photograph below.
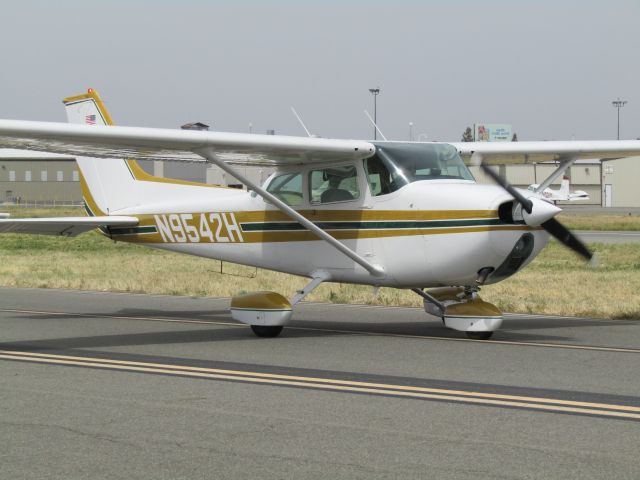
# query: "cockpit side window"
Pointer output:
{"type": "Point", "coordinates": [335, 184]}
{"type": "Point", "coordinates": [288, 188]}
{"type": "Point", "coordinates": [383, 176]}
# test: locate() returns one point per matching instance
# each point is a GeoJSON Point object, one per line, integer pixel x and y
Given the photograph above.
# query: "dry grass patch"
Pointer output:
{"type": "Point", "coordinates": [27, 212]}
{"type": "Point", "coordinates": [557, 282]}
{"type": "Point", "coordinates": [601, 222]}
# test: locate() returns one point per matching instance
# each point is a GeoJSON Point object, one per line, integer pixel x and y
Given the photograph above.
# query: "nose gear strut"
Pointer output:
{"type": "Point", "coordinates": [462, 309]}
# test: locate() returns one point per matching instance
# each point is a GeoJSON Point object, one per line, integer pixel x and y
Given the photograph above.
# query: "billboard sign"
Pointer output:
{"type": "Point", "coordinates": [492, 132]}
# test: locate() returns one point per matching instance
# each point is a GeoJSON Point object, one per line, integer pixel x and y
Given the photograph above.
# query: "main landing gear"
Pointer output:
{"type": "Point", "coordinates": [462, 309]}
{"type": "Point", "coordinates": [268, 312]}
{"type": "Point", "coordinates": [265, 312]}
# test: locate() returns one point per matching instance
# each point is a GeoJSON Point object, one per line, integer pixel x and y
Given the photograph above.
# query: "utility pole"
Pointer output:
{"type": "Point", "coordinates": [375, 92]}
{"type": "Point", "coordinates": [619, 104]}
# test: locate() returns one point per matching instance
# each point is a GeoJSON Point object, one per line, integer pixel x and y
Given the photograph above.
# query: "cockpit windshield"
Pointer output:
{"type": "Point", "coordinates": [397, 164]}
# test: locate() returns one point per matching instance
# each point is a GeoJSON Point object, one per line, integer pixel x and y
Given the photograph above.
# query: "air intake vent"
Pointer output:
{"type": "Point", "coordinates": [505, 212]}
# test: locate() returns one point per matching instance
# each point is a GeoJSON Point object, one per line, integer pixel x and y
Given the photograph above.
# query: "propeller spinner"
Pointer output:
{"type": "Point", "coordinates": [537, 212]}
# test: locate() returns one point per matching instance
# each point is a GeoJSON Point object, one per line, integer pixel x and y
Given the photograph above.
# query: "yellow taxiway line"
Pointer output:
{"type": "Point", "coordinates": [328, 330]}
{"type": "Point", "coordinates": [408, 391]}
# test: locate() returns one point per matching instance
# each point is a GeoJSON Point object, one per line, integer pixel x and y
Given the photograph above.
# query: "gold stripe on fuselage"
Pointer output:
{"type": "Point", "coordinates": [227, 227]}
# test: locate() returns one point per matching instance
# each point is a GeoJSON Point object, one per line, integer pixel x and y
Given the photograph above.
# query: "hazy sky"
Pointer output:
{"type": "Point", "coordinates": [550, 68]}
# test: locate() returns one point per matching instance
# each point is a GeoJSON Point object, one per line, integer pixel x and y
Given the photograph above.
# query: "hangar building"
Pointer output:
{"type": "Point", "coordinates": [42, 178]}
{"type": "Point", "coordinates": [583, 175]}
{"type": "Point", "coordinates": [38, 178]}
{"type": "Point", "coordinates": [620, 181]}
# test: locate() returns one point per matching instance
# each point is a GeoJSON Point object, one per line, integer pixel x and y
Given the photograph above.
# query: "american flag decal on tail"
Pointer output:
{"type": "Point", "coordinates": [90, 119]}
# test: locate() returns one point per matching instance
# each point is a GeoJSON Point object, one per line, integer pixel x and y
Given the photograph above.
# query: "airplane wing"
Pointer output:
{"type": "Point", "coordinates": [63, 226]}
{"type": "Point", "coordinates": [218, 148]}
{"type": "Point", "coordinates": [176, 145]}
{"type": "Point", "coordinates": [270, 150]}
{"type": "Point", "coordinates": [499, 153]}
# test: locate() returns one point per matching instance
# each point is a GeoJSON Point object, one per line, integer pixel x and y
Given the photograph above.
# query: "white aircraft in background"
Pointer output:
{"type": "Point", "coordinates": [562, 194]}
{"type": "Point", "coordinates": [394, 214]}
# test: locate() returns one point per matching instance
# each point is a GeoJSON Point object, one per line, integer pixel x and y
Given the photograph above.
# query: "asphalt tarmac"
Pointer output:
{"type": "Point", "coordinates": [103, 385]}
{"type": "Point", "coordinates": [608, 237]}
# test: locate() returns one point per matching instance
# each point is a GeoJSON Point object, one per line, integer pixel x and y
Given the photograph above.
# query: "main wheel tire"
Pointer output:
{"type": "Point", "coordinates": [479, 335]}
{"type": "Point", "coordinates": [267, 331]}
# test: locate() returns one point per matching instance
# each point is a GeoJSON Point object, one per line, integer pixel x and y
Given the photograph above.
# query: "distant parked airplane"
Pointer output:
{"type": "Point", "coordinates": [562, 194]}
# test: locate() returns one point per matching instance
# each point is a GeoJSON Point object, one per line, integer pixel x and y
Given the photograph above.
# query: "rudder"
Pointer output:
{"type": "Point", "coordinates": [107, 185]}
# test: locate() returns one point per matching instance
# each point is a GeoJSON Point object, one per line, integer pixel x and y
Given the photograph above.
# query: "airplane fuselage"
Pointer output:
{"type": "Point", "coordinates": [408, 233]}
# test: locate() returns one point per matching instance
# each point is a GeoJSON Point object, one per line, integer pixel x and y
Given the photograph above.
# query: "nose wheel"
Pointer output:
{"type": "Point", "coordinates": [267, 331]}
{"type": "Point", "coordinates": [462, 309]}
{"type": "Point", "coordinates": [479, 335]}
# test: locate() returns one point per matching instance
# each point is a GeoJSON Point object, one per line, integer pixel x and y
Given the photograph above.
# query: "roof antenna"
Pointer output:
{"type": "Point", "coordinates": [301, 122]}
{"type": "Point", "coordinates": [375, 126]}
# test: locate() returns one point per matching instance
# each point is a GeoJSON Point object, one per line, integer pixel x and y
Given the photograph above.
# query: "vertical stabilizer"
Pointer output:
{"type": "Point", "coordinates": [107, 185]}
{"type": "Point", "coordinates": [564, 187]}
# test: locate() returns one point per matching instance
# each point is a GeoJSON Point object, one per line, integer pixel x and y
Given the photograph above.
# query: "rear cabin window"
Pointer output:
{"type": "Point", "coordinates": [335, 184]}
{"type": "Point", "coordinates": [288, 188]}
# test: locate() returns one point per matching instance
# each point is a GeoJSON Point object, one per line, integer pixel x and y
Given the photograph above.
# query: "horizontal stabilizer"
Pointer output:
{"type": "Point", "coordinates": [63, 226]}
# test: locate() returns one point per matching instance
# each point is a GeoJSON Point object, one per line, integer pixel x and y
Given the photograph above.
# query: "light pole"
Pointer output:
{"type": "Point", "coordinates": [618, 104]}
{"type": "Point", "coordinates": [375, 92]}
{"type": "Point", "coordinates": [411, 131]}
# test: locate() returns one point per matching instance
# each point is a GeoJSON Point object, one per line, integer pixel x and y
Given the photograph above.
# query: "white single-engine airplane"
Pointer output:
{"type": "Point", "coordinates": [562, 194]}
{"type": "Point", "coordinates": [394, 214]}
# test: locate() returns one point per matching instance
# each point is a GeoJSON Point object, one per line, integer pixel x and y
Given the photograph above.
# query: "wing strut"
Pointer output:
{"type": "Point", "coordinates": [318, 277]}
{"type": "Point", "coordinates": [564, 164]}
{"type": "Point", "coordinates": [211, 156]}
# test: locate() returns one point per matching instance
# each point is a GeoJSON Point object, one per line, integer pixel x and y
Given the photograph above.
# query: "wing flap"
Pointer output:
{"type": "Point", "coordinates": [63, 226]}
{"type": "Point", "coordinates": [175, 145]}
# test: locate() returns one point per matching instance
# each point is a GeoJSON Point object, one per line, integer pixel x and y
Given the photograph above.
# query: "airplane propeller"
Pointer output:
{"type": "Point", "coordinates": [537, 210]}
